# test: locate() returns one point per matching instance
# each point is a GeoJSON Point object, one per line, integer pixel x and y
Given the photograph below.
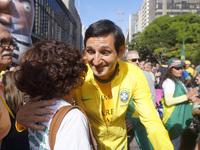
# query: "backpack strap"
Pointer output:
{"type": "Point", "coordinates": [56, 121]}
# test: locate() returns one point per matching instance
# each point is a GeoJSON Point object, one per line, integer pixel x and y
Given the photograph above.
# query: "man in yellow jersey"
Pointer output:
{"type": "Point", "coordinates": [6, 50]}
{"type": "Point", "coordinates": [188, 67]}
{"type": "Point", "coordinates": [109, 86]}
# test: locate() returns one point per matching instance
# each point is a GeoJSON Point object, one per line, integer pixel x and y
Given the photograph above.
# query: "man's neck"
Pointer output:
{"type": "Point", "coordinates": [108, 80]}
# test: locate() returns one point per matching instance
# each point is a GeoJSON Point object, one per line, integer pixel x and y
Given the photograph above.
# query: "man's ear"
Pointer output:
{"type": "Point", "coordinates": [122, 51]}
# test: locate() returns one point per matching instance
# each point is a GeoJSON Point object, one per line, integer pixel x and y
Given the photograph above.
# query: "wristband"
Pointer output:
{"type": "Point", "coordinates": [19, 127]}
{"type": "Point", "coordinates": [198, 106]}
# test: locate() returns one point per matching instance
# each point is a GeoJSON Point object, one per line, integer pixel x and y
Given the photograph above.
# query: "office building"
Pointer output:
{"type": "Point", "coordinates": [57, 20]}
{"type": "Point", "coordinates": [152, 9]}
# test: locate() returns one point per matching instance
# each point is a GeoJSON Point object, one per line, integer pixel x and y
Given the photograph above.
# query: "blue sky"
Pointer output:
{"type": "Point", "coordinates": [94, 10]}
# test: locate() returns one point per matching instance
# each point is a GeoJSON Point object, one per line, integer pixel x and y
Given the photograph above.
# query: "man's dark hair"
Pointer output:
{"type": "Point", "coordinates": [105, 27]}
{"type": "Point", "coordinates": [51, 69]}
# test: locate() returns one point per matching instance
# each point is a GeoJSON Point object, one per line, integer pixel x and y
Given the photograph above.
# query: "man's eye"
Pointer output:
{"type": "Point", "coordinates": [105, 52]}
{"type": "Point", "coordinates": [90, 52]}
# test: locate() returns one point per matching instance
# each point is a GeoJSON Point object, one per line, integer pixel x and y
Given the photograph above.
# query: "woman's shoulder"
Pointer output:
{"type": "Point", "coordinates": [76, 114]}
{"type": "Point", "coordinates": [168, 82]}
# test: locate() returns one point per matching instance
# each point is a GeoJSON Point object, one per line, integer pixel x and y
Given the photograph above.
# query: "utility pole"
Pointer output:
{"type": "Point", "coordinates": [120, 13]}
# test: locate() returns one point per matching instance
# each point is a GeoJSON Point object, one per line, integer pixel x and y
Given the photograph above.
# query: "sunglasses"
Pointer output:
{"type": "Point", "coordinates": [178, 68]}
{"type": "Point", "coordinates": [6, 44]}
{"type": "Point", "coordinates": [134, 59]}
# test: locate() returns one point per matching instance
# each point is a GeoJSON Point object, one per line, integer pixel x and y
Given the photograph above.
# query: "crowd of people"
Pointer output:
{"type": "Point", "coordinates": [116, 92]}
{"type": "Point", "coordinates": [173, 86]}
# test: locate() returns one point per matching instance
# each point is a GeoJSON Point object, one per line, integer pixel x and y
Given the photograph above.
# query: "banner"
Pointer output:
{"type": "Point", "coordinates": [18, 17]}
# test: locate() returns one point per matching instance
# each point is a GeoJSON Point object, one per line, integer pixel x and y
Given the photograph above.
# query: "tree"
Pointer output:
{"type": "Point", "coordinates": [163, 38]}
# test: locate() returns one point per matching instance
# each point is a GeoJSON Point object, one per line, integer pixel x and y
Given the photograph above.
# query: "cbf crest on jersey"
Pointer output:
{"type": "Point", "coordinates": [124, 95]}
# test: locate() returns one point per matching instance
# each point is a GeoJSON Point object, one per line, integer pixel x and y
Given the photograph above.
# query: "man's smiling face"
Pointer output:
{"type": "Point", "coordinates": [101, 55]}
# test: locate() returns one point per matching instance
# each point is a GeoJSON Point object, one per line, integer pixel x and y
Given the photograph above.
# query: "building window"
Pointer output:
{"type": "Point", "coordinates": [178, 6]}
{"type": "Point", "coordinates": [191, 6]}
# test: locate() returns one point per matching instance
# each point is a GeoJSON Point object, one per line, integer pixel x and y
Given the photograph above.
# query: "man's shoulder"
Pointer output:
{"type": "Point", "coordinates": [128, 67]}
{"type": "Point", "coordinates": [197, 68]}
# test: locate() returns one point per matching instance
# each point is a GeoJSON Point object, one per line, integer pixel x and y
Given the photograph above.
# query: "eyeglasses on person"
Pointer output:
{"type": "Point", "coordinates": [134, 59]}
{"type": "Point", "coordinates": [178, 68]}
{"type": "Point", "coordinates": [6, 43]}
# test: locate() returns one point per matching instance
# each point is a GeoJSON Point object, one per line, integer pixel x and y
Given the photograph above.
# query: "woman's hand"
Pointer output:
{"type": "Point", "coordinates": [194, 99]}
{"type": "Point", "coordinates": [192, 93]}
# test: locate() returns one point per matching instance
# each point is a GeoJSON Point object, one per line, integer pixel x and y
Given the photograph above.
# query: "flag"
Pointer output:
{"type": "Point", "coordinates": [183, 51]}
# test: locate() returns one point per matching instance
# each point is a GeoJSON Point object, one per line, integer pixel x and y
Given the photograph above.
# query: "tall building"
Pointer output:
{"type": "Point", "coordinates": [71, 7]}
{"type": "Point", "coordinates": [83, 36]}
{"type": "Point", "coordinates": [133, 18]}
{"type": "Point", "coordinates": [152, 9]}
{"type": "Point", "coordinates": [145, 14]}
{"type": "Point", "coordinates": [173, 7]}
{"type": "Point", "coordinates": [138, 21]}
{"type": "Point", "coordinates": [57, 20]}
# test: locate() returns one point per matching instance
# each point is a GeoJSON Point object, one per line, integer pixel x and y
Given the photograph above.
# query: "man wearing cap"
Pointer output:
{"type": "Point", "coordinates": [188, 67]}
{"type": "Point", "coordinates": [177, 109]}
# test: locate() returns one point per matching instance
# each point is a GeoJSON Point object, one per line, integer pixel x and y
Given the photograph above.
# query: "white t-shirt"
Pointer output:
{"type": "Point", "coordinates": [169, 86]}
{"type": "Point", "coordinates": [73, 133]}
{"type": "Point", "coordinates": [169, 89]}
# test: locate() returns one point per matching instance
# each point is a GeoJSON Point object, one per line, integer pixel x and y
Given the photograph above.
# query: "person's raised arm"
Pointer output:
{"type": "Point", "coordinates": [34, 112]}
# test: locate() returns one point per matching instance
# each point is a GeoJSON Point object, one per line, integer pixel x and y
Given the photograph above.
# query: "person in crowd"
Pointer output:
{"type": "Point", "coordinates": [149, 70]}
{"type": "Point", "coordinates": [14, 99]}
{"type": "Point", "coordinates": [197, 82]}
{"type": "Point", "coordinates": [7, 46]}
{"type": "Point", "coordinates": [141, 65]}
{"type": "Point", "coordinates": [186, 78]}
{"type": "Point", "coordinates": [188, 67]}
{"type": "Point", "coordinates": [53, 69]}
{"type": "Point", "coordinates": [190, 138]}
{"type": "Point", "coordinates": [155, 67]}
{"type": "Point", "coordinates": [159, 74]}
{"type": "Point", "coordinates": [109, 87]}
{"type": "Point", "coordinates": [196, 71]}
{"type": "Point", "coordinates": [177, 106]}
{"type": "Point", "coordinates": [192, 66]}
{"type": "Point", "coordinates": [139, 129]}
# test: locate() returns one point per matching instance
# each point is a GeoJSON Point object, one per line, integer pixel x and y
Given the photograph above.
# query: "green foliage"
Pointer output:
{"type": "Point", "coordinates": [163, 38]}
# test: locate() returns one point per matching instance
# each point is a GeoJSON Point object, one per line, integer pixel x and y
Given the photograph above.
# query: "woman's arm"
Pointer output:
{"type": "Point", "coordinates": [169, 89]}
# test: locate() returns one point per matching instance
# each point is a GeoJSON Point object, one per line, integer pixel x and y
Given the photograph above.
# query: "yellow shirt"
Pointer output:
{"type": "Point", "coordinates": [107, 101]}
{"type": "Point", "coordinates": [129, 83]}
{"type": "Point", "coordinates": [190, 70]}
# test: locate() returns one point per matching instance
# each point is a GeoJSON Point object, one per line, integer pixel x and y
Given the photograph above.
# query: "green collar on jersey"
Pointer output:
{"type": "Point", "coordinates": [106, 81]}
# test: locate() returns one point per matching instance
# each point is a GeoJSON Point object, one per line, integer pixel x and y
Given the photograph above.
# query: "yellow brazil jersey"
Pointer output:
{"type": "Point", "coordinates": [107, 101]}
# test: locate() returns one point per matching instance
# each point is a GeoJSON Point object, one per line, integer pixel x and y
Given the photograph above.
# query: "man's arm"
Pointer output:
{"type": "Point", "coordinates": [157, 133]}
{"type": "Point", "coordinates": [34, 112]}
